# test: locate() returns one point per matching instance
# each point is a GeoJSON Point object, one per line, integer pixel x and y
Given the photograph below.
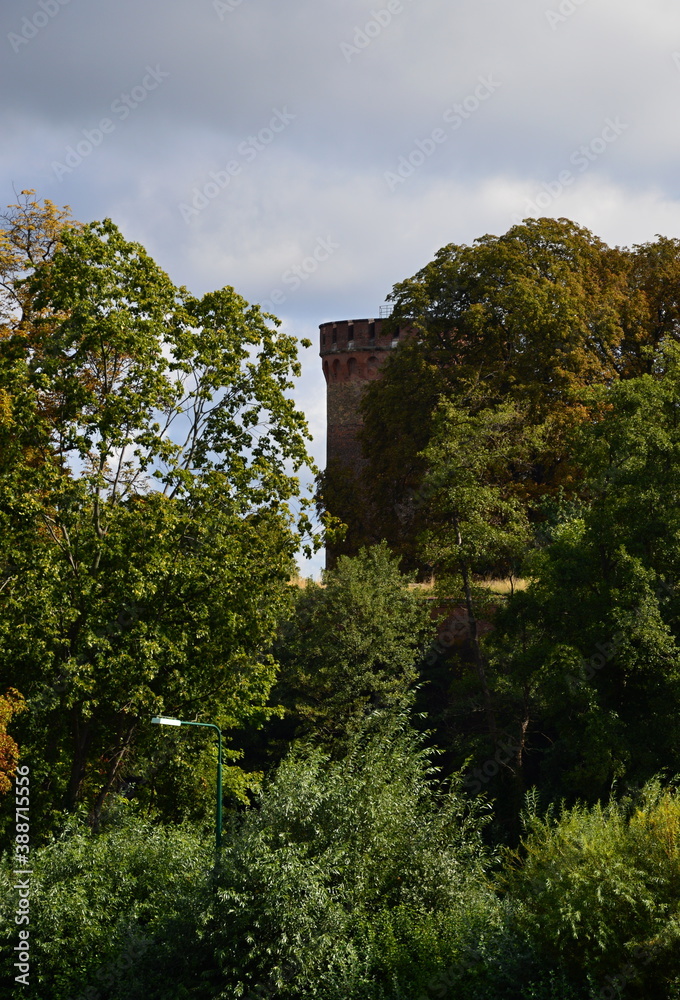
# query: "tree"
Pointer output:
{"type": "Point", "coordinates": [595, 639]}
{"type": "Point", "coordinates": [145, 518]}
{"type": "Point", "coordinates": [11, 703]}
{"type": "Point", "coordinates": [533, 313]}
{"type": "Point", "coordinates": [651, 309]}
{"type": "Point", "coordinates": [31, 235]}
{"type": "Point", "coordinates": [352, 646]}
{"type": "Point", "coordinates": [535, 316]}
{"type": "Point", "coordinates": [477, 523]}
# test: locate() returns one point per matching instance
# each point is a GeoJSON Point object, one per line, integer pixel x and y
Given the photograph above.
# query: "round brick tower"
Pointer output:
{"type": "Point", "coordinates": [353, 352]}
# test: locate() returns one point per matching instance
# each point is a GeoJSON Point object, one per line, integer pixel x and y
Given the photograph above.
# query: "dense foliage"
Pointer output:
{"type": "Point", "coordinates": [361, 878]}
{"type": "Point", "coordinates": [146, 536]}
{"type": "Point", "coordinates": [461, 791]}
{"type": "Point", "coordinates": [535, 316]}
{"type": "Point", "coordinates": [352, 646]}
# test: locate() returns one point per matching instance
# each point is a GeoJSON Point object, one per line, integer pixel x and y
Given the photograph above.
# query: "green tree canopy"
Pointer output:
{"type": "Point", "coordinates": [145, 516]}
{"type": "Point", "coordinates": [536, 316]}
{"type": "Point", "coordinates": [352, 646]}
{"type": "Point", "coordinates": [595, 638]}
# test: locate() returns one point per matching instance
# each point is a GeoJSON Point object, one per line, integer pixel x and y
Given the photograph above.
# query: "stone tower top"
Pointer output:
{"type": "Point", "coordinates": [354, 335]}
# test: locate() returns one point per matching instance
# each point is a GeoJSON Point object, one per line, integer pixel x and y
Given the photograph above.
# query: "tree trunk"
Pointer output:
{"type": "Point", "coordinates": [474, 639]}
{"type": "Point", "coordinates": [114, 770]}
{"type": "Point", "coordinates": [81, 740]}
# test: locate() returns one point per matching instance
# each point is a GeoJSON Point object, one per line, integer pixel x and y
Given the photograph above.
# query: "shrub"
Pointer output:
{"type": "Point", "coordinates": [598, 893]}
{"type": "Point", "coordinates": [109, 911]}
{"type": "Point", "coordinates": [364, 879]}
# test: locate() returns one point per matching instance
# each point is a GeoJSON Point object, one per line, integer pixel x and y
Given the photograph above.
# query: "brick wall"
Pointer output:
{"type": "Point", "coordinates": [352, 353]}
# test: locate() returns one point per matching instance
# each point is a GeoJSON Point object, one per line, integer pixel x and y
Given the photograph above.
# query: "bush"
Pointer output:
{"type": "Point", "coordinates": [111, 912]}
{"type": "Point", "coordinates": [364, 879]}
{"type": "Point", "coordinates": [598, 893]}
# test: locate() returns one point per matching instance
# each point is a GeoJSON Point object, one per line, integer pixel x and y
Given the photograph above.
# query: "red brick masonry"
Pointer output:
{"type": "Point", "coordinates": [353, 352]}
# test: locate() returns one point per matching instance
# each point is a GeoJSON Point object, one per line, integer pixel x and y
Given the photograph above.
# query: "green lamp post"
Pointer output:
{"type": "Point", "coordinates": [162, 721]}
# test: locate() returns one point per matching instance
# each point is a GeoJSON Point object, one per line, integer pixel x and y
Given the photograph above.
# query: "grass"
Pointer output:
{"type": "Point", "coordinates": [496, 586]}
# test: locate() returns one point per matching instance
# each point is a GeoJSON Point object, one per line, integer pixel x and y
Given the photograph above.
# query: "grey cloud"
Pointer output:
{"type": "Point", "coordinates": [370, 82]}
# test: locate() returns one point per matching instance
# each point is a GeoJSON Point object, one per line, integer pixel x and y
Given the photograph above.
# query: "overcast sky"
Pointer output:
{"type": "Point", "coordinates": [233, 138]}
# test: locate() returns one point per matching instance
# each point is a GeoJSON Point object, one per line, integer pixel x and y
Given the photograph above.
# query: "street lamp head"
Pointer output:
{"type": "Point", "coordinates": [161, 720]}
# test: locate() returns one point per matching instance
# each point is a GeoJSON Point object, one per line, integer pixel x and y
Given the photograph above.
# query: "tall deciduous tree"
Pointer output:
{"type": "Point", "coordinates": [536, 315]}
{"type": "Point", "coordinates": [352, 646]}
{"type": "Point", "coordinates": [147, 534]}
{"type": "Point", "coordinates": [533, 313]}
{"type": "Point", "coordinates": [596, 638]}
{"type": "Point", "coordinates": [472, 499]}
